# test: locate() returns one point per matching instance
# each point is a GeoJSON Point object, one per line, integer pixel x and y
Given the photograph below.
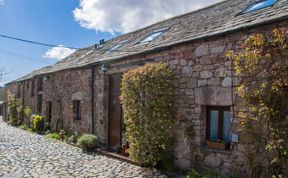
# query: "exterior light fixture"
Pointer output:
{"type": "Point", "coordinates": [104, 67]}
{"type": "Point", "coordinates": [46, 77]}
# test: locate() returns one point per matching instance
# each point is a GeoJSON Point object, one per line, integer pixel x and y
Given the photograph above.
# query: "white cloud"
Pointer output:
{"type": "Point", "coordinates": [128, 15]}
{"type": "Point", "coordinates": [1, 2]}
{"type": "Point", "coordinates": [58, 52]}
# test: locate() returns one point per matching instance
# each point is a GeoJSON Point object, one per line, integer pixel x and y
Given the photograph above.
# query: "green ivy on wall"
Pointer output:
{"type": "Point", "coordinates": [264, 91]}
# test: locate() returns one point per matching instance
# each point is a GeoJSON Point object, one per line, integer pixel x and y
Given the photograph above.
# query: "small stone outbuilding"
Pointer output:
{"type": "Point", "coordinates": [81, 92]}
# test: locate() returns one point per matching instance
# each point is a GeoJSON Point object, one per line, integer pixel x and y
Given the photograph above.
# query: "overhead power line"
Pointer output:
{"type": "Point", "coordinates": [23, 56]}
{"type": "Point", "coordinates": [34, 42]}
{"type": "Point", "coordinates": [69, 47]}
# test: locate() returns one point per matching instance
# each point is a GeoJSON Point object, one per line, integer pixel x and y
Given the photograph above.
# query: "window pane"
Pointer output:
{"type": "Point", "coordinates": [260, 5]}
{"type": "Point", "coordinates": [227, 125]}
{"type": "Point", "coordinates": [117, 46]}
{"type": "Point", "coordinates": [214, 122]}
{"type": "Point", "coordinates": [153, 35]}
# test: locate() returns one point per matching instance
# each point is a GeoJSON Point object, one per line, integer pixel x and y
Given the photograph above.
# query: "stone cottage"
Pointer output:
{"type": "Point", "coordinates": [81, 92]}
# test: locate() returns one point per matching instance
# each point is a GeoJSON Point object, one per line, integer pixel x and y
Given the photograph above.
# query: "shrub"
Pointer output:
{"type": "Point", "coordinates": [14, 109]}
{"type": "Point", "coordinates": [53, 136]}
{"type": "Point", "coordinates": [264, 119]}
{"type": "Point", "coordinates": [147, 99]}
{"type": "Point", "coordinates": [47, 126]}
{"type": "Point", "coordinates": [88, 142]}
{"type": "Point", "coordinates": [24, 127]}
{"type": "Point", "coordinates": [19, 123]}
{"type": "Point", "coordinates": [38, 123]}
{"type": "Point", "coordinates": [73, 138]}
{"type": "Point", "coordinates": [28, 113]}
{"type": "Point", "coordinates": [12, 121]}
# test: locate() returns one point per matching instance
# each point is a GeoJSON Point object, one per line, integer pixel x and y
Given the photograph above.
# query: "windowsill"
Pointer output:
{"type": "Point", "coordinates": [206, 148]}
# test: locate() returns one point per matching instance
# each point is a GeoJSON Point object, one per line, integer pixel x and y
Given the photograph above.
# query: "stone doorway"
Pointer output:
{"type": "Point", "coordinates": [115, 113]}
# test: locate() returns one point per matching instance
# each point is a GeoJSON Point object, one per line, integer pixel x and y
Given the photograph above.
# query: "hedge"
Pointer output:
{"type": "Point", "coordinates": [147, 100]}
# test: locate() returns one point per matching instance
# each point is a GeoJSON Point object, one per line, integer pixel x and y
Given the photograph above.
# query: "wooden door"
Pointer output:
{"type": "Point", "coordinates": [115, 111]}
{"type": "Point", "coordinates": [49, 111]}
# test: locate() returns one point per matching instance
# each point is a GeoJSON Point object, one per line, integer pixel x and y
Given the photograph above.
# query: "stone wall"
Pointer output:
{"type": "Point", "coordinates": [62, 88]}
{"type": "Point", "coordinates": [203, 77]}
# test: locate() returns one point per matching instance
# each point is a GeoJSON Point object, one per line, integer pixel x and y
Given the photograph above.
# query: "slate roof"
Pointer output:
{"type": "Point", "coordinates": [211, 21]}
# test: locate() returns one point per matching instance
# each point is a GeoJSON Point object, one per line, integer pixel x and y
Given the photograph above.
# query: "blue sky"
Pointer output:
{"type": "Point", "coordinates": [49, 21]}
{"type": "Point", "coordinates": [73, 23]}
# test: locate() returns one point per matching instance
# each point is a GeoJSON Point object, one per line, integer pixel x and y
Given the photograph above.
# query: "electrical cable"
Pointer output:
{"type": "Point", "coordinates": [52, 45]}
{"type": "Point", "coordinates": [34, 42]}
{"type": "Point", "coordinates": [22, 56]}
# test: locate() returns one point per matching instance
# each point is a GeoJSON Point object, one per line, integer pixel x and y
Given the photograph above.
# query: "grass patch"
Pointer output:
{"type": "Point", "coordinates": [55, 136]}
{"type": "Point", "coordinates": [24, 127]}
{"type": "Point", "coordinates": [201, 173]}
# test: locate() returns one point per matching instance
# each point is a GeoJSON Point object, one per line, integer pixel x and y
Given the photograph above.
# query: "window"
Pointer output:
{"type": "Point", "coordinates": [40, 84]}
{"type": "Point", "coordinates": [258, 5]}
{"type": "Point", "coordinates": [76, 110]}
{"type": "Point", "coordinates": [218, 123]}
{"type": "Point", "coordinates": [153, 36]}
{"type": "Point", "coordinates": [117, 46]}
{"type": "Point", "coordinates": [32, 88]}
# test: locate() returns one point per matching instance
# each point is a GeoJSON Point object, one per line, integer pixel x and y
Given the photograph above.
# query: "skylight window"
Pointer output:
{"type": "Point", "coordinates": [118, 45]}
{"type": "Point", "coordinates": [153, 36]}
{"type": "Point", "coordinates": [258, 5]}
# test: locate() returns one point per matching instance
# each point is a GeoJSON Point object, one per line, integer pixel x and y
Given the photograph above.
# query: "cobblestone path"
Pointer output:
{"type": "Point", "coordinates": [25, 154]}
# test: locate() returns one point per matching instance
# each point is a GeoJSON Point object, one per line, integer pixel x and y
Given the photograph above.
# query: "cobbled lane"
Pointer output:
{"type": "Point", "coordinates": [25, 154]}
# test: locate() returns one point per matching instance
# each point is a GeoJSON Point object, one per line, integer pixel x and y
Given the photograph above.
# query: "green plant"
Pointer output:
{"type": "Point", "coordinates": [264, 90]}
{"type": "Point", "coordinates": [147, 100]}
{"type": "Point", "coordinates": [38, 123]}
{"type": "Point", "coordinates": [14, 109]}
{"type": "Point", "coordinates": [202, 173]}
{"type": "Point", "coordinates": [19, 123]}
{"type": "Point", "coordinates": [88, 142]}
{"type": "Point", "coordinates": [73, 138]}
{"type": "Point", "coordinates": [47, 126]}
{"type": "Point", "coordinates": [12, 122]}
{"type": "Point", "coordinates": [27, 114]}
{"type": "Point", "coordinates": [24, 127]}
{"type": "Point", "coordinates": [53, 136]}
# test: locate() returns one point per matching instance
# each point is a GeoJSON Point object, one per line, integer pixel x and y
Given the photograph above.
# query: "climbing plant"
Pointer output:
{"type": "Point", "coordinates": [14, 109]}
{"type": "Point", "coordinates": [263, 66]}
{"type": "Point", "coordinates": [147, 99]}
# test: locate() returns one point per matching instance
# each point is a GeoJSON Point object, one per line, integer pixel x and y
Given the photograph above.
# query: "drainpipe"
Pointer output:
{"type": "Point", "coordinates": [23, 100]}
{"type": "Point", "coordinates": [5, 112]}
{"type": "Point", "coordinates": [92, 100]}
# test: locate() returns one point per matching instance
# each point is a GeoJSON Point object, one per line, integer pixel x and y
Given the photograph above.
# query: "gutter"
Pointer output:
{"type": "Point", "coordinates": [213, 35]}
